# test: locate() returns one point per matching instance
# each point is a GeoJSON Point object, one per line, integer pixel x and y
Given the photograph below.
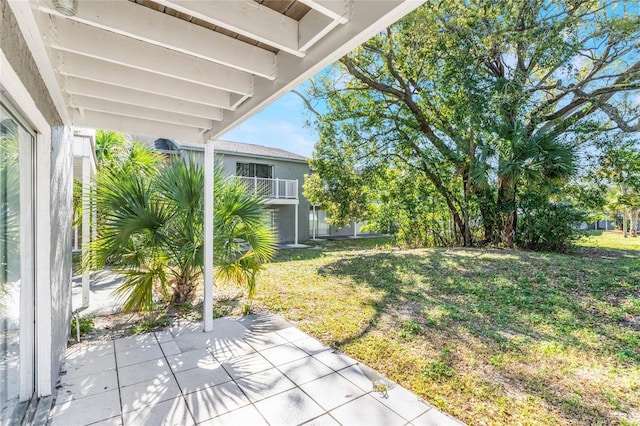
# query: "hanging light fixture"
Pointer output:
{"type": "Point", "coordinates": [66, 7]}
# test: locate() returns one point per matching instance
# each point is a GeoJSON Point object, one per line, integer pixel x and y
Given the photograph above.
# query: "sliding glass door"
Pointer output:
{"type": "Point", "coordinates": [16, 263]}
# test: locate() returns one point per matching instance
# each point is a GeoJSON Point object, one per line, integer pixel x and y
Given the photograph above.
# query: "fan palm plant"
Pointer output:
{"type": "Point", "coordinates": [152, 231]}
{"type": "Point", "coordinates": [531, 161]}
{"type": "Point", "coordinates": [243, 241]}
{"type": "Point", "coordinates": [109, 145]}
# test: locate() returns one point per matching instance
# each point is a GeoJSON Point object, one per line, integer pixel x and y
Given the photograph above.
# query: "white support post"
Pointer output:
{"type": "Point", "coordinates": [355, 228]}
{"type": "Point", "coordinates": [94, 220]}
{"type": "Point", "coordinates": [86, 230]}
{"type": "Point", "coordinates": [208, 235]}
{"type": "Point", "coordinates": [255, 185]}
{"type": "Point", "coordinates": [296, 225]}
{"type": "Point", "coordinates": [278, 189]}
{"type": "Point", "coordinates": [315, 223]}
{"type": "Point", "coordinates": [76, 247]}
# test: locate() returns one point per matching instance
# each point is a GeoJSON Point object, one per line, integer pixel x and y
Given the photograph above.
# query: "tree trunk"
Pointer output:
{"type": "Point", "coordinates": [507, 206]}
{"type": "Point", "coordinates": [634, 221]}
{"type": "Point", "coordinates": [467, 185]}
{"type": "Point", "coordinates": [433, 178]}
{"type": "Point", "coordinates": [491, 220]}
{"type": "Point", "coordinates": [625, 228]}
{"type": "Point", "coordinates": [466, 231]}
{"type": "Point", "coordinates": [508, 230]}
{"type": "Point", "coordinates": [183, 292]}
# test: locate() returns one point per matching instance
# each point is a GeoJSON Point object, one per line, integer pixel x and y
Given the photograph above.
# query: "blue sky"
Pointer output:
{"type": "Point", "coordinates": [281, 125]}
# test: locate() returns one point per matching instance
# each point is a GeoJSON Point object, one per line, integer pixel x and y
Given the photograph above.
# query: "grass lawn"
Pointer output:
{"type": "Point", "coordinates": [610, 240]}
{"type": "Point", "coordinates": [489, 336]}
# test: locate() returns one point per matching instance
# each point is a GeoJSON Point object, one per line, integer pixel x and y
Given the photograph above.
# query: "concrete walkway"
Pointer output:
{"type": "Point", "coordinates": [256, 370]}
{"type": "Point", "coordinates": [102, 301]}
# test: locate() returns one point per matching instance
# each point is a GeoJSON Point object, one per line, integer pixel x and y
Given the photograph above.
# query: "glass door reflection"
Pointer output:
{"type": "Point", "coordinates": [16, 228]}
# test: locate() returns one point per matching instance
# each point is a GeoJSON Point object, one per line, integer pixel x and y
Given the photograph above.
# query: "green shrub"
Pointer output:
{"type": "Point", "coordinates": [86, 325]}
{"type": "Point", "coordinates": [548, 226]}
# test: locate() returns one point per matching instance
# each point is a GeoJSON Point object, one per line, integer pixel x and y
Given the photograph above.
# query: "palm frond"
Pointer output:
{"type": "Point", "coordinates": [138, 286]}
{"type": "Point", "coordinates": [151, 228]}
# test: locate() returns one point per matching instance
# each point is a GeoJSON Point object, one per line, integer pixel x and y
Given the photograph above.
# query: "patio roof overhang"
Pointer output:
{"type": "Point", "coordinates": [186, 69]}
{"type": "Point", "coordinates": [189, 69]}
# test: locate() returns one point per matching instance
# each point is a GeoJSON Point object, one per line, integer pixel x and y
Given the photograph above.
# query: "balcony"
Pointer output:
{"type": "Point", "coordinates": [274, 190]}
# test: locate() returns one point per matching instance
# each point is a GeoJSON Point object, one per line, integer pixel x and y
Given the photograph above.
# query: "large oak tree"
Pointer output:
{"type": "Point", "coordinates": [482, 98]}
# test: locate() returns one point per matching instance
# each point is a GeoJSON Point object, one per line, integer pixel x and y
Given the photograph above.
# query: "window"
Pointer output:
{"type": "Point", "coordinates": [16, 263]}
{"type": "Point", "coordinates": [254, 170]}
{"type": "Point", "coordinates": [318, 219]}
{"type": "Point", "coordinates": [272, 220]}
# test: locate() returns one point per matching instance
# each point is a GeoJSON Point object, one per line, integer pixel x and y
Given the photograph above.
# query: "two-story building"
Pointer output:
{"type": "Point", "coordinates": [278, 176]}
{"type": "Point", "coordinates": [275, 174]}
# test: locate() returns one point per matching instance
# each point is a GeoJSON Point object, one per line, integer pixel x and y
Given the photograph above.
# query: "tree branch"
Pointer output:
{"type": "Point", "coordinates": [407, 99]}
{"type": "Point", "coordinates": [307, 103]}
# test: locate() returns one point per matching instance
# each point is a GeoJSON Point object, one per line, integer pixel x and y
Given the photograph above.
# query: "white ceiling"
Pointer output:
{"type": "Point", "coordinates": [189, 69]}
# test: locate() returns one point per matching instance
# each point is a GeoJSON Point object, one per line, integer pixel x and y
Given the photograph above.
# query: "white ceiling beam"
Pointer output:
{"type": "Point", "coordinates": [107, 92]}
{"type": "Point", "coordinates": [151, 128]}
{"type": "Point", "coordinates": [142, 23]}
{"type": "Point", "coordinates": [337, 10]}
{"type": "Point", "coordinates": [367, 19]}
{"type": "Point", "coordinates": [238, 101]}
{"type": "Point", "coordinates": [29, 28]}
{"type": "Point", "coordinates": [74, 65]}
{"type": "Point", "coordinates": [244, 17]}
{"type": "Point", "coordinates": [89, 41]}
{"type": "Point", "coordinates": [313, 27]}
{"type": "Point", "coordinates": [102, 105]}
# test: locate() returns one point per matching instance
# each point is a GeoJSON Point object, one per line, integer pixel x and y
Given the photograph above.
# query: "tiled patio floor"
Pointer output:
{"type": "Point", "coordinates": [249, 371]}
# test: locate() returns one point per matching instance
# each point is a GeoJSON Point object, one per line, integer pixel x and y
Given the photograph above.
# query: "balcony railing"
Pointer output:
{"type": "Point", "coordinates": [283, 189]}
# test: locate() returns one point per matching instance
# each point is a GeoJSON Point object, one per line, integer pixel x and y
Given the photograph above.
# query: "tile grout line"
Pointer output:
{"type": "Point", "coordinates": [299, 387]}
{"type": "Point", "coordinates": [371, 392]}
{"type": "Point", "coordinates": [115, 360]}
{"type": "Point", "coordinates": [173, 374]}
{"type": "Point", "coordinates": [272, 365]}
{"type": "Point", "coordinates": [334, 371]}
{"type": "Point", "coordinates": [235, 383]}
{"type": "Point", "coordinates": [296, 386]}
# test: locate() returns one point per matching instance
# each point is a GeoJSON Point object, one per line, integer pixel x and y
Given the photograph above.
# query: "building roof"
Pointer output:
{"type": "Point", "coordinates": [249, 150]}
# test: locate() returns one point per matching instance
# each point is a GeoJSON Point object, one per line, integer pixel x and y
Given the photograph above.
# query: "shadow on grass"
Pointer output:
{"type": "Point", "coordinates": [320, 248]}
{"type": "Point", "coordinates": [606, 253]}
{"type": "Point", "coordinates": [510, 300]}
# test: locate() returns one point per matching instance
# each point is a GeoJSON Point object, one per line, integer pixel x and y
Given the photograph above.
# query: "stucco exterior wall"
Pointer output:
{"type": "Point", "coordinates": [17, 53]}
{"type": "Point", "coordinates": [282, 169]}
{"type": "Point", "coordinates": [61, 216]}
{"type": "Point", "coordinates": [346, 231]}
{"type": "Point", "coordinates": [19, 57]}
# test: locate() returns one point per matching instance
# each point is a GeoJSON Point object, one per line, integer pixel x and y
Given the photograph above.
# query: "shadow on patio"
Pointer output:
{"type": "Point", "coordinates": [252, 370]}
